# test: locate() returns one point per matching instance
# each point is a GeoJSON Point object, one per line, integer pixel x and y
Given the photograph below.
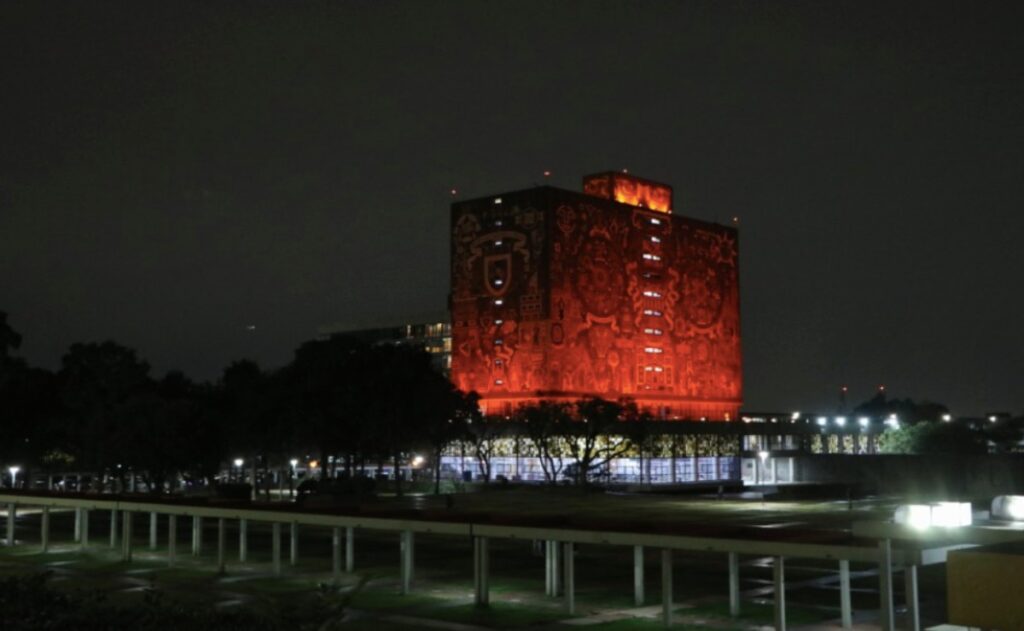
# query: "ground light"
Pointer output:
{"type": "Point", "coordinates": [1008, 507]}
{"type": "Point", "coordinates": [937, 514]}
{"type": "Point", "coordinates": [14, 474]}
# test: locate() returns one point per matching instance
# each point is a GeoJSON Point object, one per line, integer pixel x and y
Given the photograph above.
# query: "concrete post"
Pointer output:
{"type": "Point", "coordinates": [85, 528]}
{"type": "Point", "coordinates": [197, 535]}
{"type": "Point", "coordinates": [913, 609]}
{"type": "Point", "coordinates": [481, 572]}
{"type": "Point", "coordinates": [666, 587]}
{"type": "Point", "coordinates": [407, 550]}
{"type": "Point", "coordinates": [887, 616]}
{"type": "Point", "coordinates": [350, 549]}
{"type": "Point", "coordinates": [555, 567]}
{"type": "Point", "coordinates": [220, 544]}
{"type": "Point", "coordinates": [45, 529]}
{"type": "Point", "coordinates": [276, 534]}
{"type": "Point", "coordinates": [548, 571]}
{"type": "Point", "coordinates": [294, 548]}
{"type": "Point", "coordinates": [12, 513]}
{"type": "Point", "coordinates": [126, 536]}
{"type": "Point", "coordinates": [638, 576]}
{"type": "Point", "coordinates": [779, 580]}
{"type": "Point", "coordinates": [775, 470]}
{"type": "Point", "coordinates": [113, 527]}
{"type": "Point", "coordinates": [569, 563]}
{"type": "Point", "coordinates": [336, 553]}
{"type": "Point", "coordinates": [734, 584]}
{"type": "Point", "coordinates": [243, 540]}
{"type": "Point", "coordinates": [152, 531]}
{"type": "Point", "coordinates": [78, 525]}
{"type": "Point", "coordinates": [172, 538]}
{"type": "Point", "coordinates": [845, 608]}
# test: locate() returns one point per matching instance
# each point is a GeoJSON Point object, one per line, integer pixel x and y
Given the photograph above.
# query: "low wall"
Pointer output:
{"type": "Point", "coordinates": [938, 476]}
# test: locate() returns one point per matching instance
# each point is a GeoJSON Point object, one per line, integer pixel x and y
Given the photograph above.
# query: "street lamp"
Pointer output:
{"type": "Point", "coordinates": [947, 417]}
{"type": "Point", "coordinates": [763, 455]}
{"type": "Point", "coordinates": [238, 465]}
{"type": "Point", "coordinates": [14, 474]}
{"type": "Point", "coordinates": [294, 462]}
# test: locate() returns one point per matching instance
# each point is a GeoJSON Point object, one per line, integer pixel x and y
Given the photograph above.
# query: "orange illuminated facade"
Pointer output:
{"type": "Point", "coordinates": [558, 295]}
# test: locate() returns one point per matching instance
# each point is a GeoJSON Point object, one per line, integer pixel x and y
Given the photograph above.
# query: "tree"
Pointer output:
{"type": "Point", "coordinates": [547, 424]}
{"type": "Point", "coordinates": [96, 381]}
{"type": "Point", "coordinates": [932, 438]}
{"type": "Point", "coordinates": [597, 438]}
{"type": "Point", "coordinates": [250, 400]}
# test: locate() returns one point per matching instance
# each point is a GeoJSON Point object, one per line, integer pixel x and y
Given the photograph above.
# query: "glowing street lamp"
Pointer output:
{"type": "Point", "coordinates": [238, 466]}
{"type": "Point", "coordinates": [863, 421]}
{"type": "Point", "coordinates": [14, 474]}
{"type": "Point", "coordinates": [841, 421]}
{"type": "Point", "coordinates": [947, 418]}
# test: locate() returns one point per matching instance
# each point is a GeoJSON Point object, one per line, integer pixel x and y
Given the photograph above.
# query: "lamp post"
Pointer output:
{"type": "Point", "coordinates": [14, 474]}
{"type": "Point", "coordinates": [238, 466]}
{"type": "Point", "coordinates": [763, 455]}
{"type": "Point", "coordinates": [294, 462]}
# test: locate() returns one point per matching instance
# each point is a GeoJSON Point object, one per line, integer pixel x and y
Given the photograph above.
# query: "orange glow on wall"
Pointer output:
{"type": "Point", "coordinates": [629, 189]}
{"type": "Point", "coordinates": [557, 295]}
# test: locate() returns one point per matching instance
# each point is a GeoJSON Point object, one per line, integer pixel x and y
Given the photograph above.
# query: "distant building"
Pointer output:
{"type": "Point", "coordinates": [557, 295]}
{"type": "Point", "coordinates": [433, 334]}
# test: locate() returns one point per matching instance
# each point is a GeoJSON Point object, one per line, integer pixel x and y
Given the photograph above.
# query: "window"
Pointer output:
{"type": "Point", "coordinates": [651, 331]}
{"type": "Point", "coordinates": [655, 240]}
{"type": "Point", "coordinates": [499, 382]}
{"type": "Point", "coordinates": [652, 312]}
{"type": "Point", "coordinates": [499, 302]}
{"type": "Point", "coordinates": [499, 342]}
{"type": "Point", "coordinates": [498, 243]}
{"type": "Point", "coordinates": [499, 322]}
{"type": "Point", "coordinates": [655, 222]}
{"type": "Point", "coordinates": [650, 293]}
{"type": "Point", "coordinates": [651, 257]}
{"type": "Point", "coordinates": [652, 349]}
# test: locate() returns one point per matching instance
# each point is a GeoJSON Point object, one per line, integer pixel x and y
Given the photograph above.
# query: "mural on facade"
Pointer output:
{"type": "Point", "coordinates": [564, 295]}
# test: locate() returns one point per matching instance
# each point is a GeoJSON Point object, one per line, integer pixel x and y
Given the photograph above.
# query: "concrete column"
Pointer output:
{"type": "Point", "coordinates": [12, 513]}
{"type": "Point", "coordinates": [548, 572]}
{"type": "Point", "coordinates": [113, 527]}
{"type": "Point", "coordinates": [350, 549]}
{"type": "Point", "coordinates": [243, 540]}
{"type": "Point", "coordinates": [85, 527]}
{"type": "Point", "coordinates": [172, 538]}
{"type": "Point", "coordinates": [481, 572]}
{"type": "Point", "coordinates": [197, 535]}
{"type": "Point", "coordinates": [220, 544]}
{"type": "Point", "coordinates": [152, 530]}
{"type": "Point", "coordinates": [666, 587]}
{"type": "Point", "coordinates": [336, 553]}
{"type": "Point", "coordinates": [569, 563]}
{"type": "Point", "coordinates": [407, 551]}
{"type": "Point", "coordinates": [126, 536]}
{"type": "Point", "coordinates": [792, 469]}
{"type": "Point", "coordinates": [554, 580]}
{"type": "Point", "coordinates": [294, 548]}
{"type": "Point", "coordinates": [45, 529]}
{"type": "Point", "coordinates": [845, 608]}
{"type": "Point", "coordinates": [638, 576]}
{"type": "Point", "coordinates": [775, 470]}
{"type": "Point", "coordinates": [779, 580]}
{"type": "Point", "coordinates": [78, 525]}
{"type": "Point", "coordinates": [276, 535]}
{"type": "Point", "coordinates": [913, 608]}
{"type": "Point", "coordinates": [886, 616]}
{"type": "Point", "coordinates": [734, 584]}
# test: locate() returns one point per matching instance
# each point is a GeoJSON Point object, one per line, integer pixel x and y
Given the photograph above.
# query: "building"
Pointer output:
{"type": "Point", "coordinates": [558, 295]}
{"type": "Point", "coordinates": [432, 333]}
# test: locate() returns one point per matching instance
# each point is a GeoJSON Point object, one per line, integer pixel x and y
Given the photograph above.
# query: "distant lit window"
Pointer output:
{"type": "Point", "coordinates": [651, 257]}
{"type": "Point", "coordinates": [498, 223]}
{"type": "Point", "coordinates": [499, 282]}
{"type": "Point", "coordinates": [498, 362]}
{"type": "Point", "coordinates": [652, 312]}
{"type": "Point", "coordinates": [652, 349]}
{"type": "Point", "coordinates": [656, 222]}
{"type": "Point", "coordinates": [499, 302]}
{"type": "Point", "coordinates": [655, 240]}
{"type": "Point", "coordinates": [499, 382]}
{"type": "Point", "coordinates": [650, 293]}
{"type": "Point", "coordinates": [498, 243]}
{"type": "Point", "coordinates": [652, 331]}
{"type": "Point", "coordinates": [497, 200]}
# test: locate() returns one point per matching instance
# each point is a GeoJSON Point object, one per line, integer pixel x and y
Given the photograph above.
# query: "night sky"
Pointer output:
{"type": "Point", "coordinates": [173, 172]}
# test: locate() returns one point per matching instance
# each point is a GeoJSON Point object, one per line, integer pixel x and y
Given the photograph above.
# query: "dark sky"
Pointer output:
{"type": "Point", "coordinates": [172, 172]}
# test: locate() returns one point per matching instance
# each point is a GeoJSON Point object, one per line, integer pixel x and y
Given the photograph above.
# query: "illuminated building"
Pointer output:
{"type": "Point", "coordinates": [433, 334]}
{"type": "Point", "coordinates": [556, 295]}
